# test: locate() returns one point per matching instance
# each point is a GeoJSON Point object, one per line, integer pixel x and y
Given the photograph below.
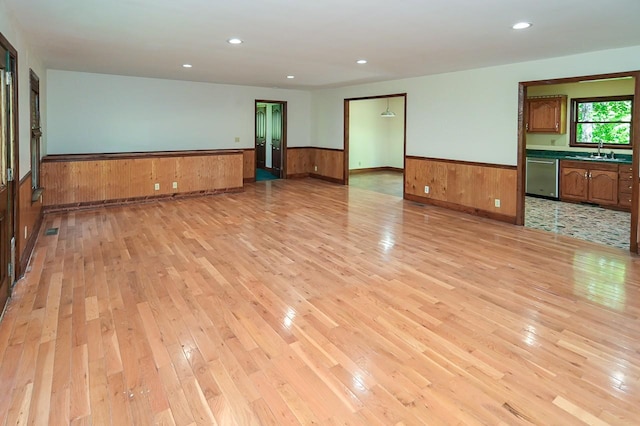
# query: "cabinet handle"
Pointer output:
{"type": "Point", "coordinates": [589, 175]}
{"type": "Point", "coordinates": [526, 126]}
{"type": "Point", "coordinates": [556, 126]}
{"type": "Point", "coordinates": [585, 175]}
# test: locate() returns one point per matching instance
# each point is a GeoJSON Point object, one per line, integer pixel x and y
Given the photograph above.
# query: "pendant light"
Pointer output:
{"type": "Point", "coordinates": [388, 113]}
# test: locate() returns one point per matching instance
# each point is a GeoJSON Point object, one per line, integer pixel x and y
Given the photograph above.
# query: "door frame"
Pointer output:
{"type": "Point", "coordinates": [13, 154]}
{"type": "Point", "coordinates": [345, 176]}
{"type": "Point", "coordinates": [283, 144]}
{"type": "Point", "coordinates": [635, 132]}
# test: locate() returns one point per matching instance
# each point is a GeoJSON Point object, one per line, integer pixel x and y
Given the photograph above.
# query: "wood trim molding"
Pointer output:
{"type": "Point", "coordinates": [327, 178]}
{"type": "Point", "coordinates": [460, 208]}
{"type": "Point", "coordinates": [376, 169]}
{"type": "Point", "coordinates": [364, 98]}
{"type": "Point", "coordinates": [248, 180]}
{"type": "Point", "coordinates": [577, 79]}
{"type": "Point", "coordinates": [328, 149]}
{"type": "Point", "coordinates": [25, 177]}
{"type": "Point", "coordinates": [298, 175]}
{"type": "Point", "coordinates": [137, 155]}
{"type": "Point", "coordinates": [300, 147]}
{"type": "Point", "coordinates": [135, 200]}
{"type": "Point", "coordinates": [468, 163]}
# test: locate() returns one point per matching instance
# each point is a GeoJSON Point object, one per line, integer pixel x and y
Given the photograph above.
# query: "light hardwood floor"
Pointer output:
{"type": "Point", "coordinates": [304, 302]}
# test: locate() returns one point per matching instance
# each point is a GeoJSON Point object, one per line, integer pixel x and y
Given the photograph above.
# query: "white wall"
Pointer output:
{"type": "Point", "coordinates": [376, 141]}
{"type": "Point", "coordinates": [467, 115]}
{"type": "Point", "coordinates": [27, 59]}
{"type": "Point", "coordinates": [92, 113]}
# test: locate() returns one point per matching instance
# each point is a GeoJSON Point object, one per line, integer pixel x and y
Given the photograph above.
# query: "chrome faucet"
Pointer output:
{"type": "Point", "coordinates": [600, 146]}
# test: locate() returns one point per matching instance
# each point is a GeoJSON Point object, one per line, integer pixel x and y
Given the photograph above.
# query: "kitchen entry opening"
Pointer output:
{"type": "Point", "coordinates": [579, 159]}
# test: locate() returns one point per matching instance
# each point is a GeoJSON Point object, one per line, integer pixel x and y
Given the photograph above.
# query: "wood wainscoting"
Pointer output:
{"type": "Point", "coordinates": [299, 161]}
{"type": "Point", "coordinates": [89, 179]}
{"type": "Point", "coordinates": [29, 217]}
{"type": "Point", "coordinates": [463, 186]}
{"type": "Point", "coordinates": [249, 168]}
{"type": "Point", "coordinates": [320, 163]}
{"type": "Point", "coordinates": [329, 163]}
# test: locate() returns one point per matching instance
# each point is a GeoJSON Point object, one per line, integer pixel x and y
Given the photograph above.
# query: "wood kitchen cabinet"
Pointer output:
{"type": "Point", "coordinates": [547, 114]}
{"type": "Point", "coordinates": [625, 186]}
{"type": "Point", "coordinates": [589, 182]}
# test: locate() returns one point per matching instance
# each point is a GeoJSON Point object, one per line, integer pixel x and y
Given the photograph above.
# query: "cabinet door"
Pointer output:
{"type": "Point", "coordinates": [603, 187]}
{"type": "Point", "coordinates": [544, 115]}
{"type": "Point", "coordinates": [573, 184]}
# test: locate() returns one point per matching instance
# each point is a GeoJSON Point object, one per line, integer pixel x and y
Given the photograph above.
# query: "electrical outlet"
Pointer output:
{"type": "Point", "coordinates": [315, 168]}
{"type": "Point", "coordinates": [237, 139]}
{"type": "Point", "coordinates": [426, 189]}
{"type": "Point", "coordinates": [497, 202]}
{"type": "Point", "coordinates": [156, 187]}
{"type": "Point", "coordinates": [175, 185]}
{"type": "Point", "coordinates": [553, 141]}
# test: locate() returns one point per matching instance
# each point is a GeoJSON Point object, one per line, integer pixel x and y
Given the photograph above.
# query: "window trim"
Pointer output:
{"type": "Point", "coordinates": [34, 86]}
{"type": "Point", "coordinates": [574, 122]}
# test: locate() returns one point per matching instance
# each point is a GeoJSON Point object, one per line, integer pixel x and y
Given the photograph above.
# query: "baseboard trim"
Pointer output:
{"type": "Point", "coordinates": [327, 178]}
{"type": "Point", "coordinates": [249, 180]}
{"type": "Point", "coordinates": [376, 169]}
{"type": "Point", "coordinates": [135, 200]}
{"type": "Point", "coordinates": [463, 209]}
{"type": "Point", "coordinates": [298, 175]}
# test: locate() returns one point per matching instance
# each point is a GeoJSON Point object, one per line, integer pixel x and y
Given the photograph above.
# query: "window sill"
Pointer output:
{"type": "Point", "coordinates": [36, 194]}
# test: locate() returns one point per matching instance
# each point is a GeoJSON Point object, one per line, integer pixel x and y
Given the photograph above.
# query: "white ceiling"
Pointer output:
{"type": "Point", "coordinates": [317, 41]}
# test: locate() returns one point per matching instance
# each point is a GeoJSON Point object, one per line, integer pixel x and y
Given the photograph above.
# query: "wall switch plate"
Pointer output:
{"type": "Point", "coordinates": [426, 189]}
{"type": "Point", "coordinates": [175, 185]}
{"type": "Point", "coordinates": [156, 187]}
{"type": "Point", "coordinates": [497, 202]}
{"type": "Point", "coordinates": [315, 168]}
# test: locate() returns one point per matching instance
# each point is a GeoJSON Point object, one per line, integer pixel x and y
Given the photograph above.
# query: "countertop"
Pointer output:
{"type": "Point", "coordinates": [577, 156]}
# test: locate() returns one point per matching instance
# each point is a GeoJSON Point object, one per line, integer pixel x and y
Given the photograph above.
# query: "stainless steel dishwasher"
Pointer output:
{"type": "Point", "coordinates": [542, 177]}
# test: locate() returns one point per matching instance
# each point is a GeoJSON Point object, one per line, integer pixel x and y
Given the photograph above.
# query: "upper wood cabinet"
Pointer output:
{"type": "Point", "coordinates": [547, 114]}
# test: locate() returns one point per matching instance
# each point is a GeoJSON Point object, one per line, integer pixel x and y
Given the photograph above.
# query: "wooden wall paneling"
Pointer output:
{"type": "Point", "coordinates": [249, 165]}
{"type": "Point", "coordinates": [29, 216]}
{"type": "Point", "coordinates": [71, 182]}
{"type": "Point", "coordinates": [299, 161]}
{"type": "Point", "coordinates": [470, 187]}
{"type": "Point", "coordinates": [330, 163]}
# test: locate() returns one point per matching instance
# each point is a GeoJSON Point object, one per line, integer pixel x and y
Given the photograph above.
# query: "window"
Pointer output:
{"type": "Point", "coordinates": [603, 120]}
{"type": "Point", "coordinates": [36, 134]}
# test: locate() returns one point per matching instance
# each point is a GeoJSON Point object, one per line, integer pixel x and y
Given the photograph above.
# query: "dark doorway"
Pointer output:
{"type": "Point", "coordinates": [270, 139]}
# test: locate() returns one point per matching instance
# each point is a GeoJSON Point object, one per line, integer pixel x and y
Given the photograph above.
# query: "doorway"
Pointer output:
{"type": "Point", "coordinates": [270, 139]}
{"type": "Point", "coordinates": [375, 143]}
{"type": "Point", "coordinates": [581, 218]}
{"type": "Point", "coordinates": [8, 154]}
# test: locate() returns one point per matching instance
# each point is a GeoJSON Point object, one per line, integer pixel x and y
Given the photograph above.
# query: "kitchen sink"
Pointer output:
{"type": "Point", "coordinates": [605, 159]}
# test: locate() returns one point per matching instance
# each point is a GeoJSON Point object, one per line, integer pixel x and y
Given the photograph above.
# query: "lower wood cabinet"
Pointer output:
{"type": "Point", "coordinates": [589, 182]}
{"type": "Point", "coordinates": [625, 186]}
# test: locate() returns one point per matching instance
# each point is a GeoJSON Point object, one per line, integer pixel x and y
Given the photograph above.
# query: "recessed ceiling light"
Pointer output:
{"type": "Point", "coordinates": [234, 41]}
{"type": "Point", "coordinates": [291, 76]}
{"type": "Point", "coordinates": [521, 25]}
{"type": "Point", "coordinates": [361, 61]}
{"type": "Point", "coordinates": [187, 65]}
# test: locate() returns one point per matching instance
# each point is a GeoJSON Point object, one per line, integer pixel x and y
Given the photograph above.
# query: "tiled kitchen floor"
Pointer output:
{"type": "Point", "coordinates": [586, 222]}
